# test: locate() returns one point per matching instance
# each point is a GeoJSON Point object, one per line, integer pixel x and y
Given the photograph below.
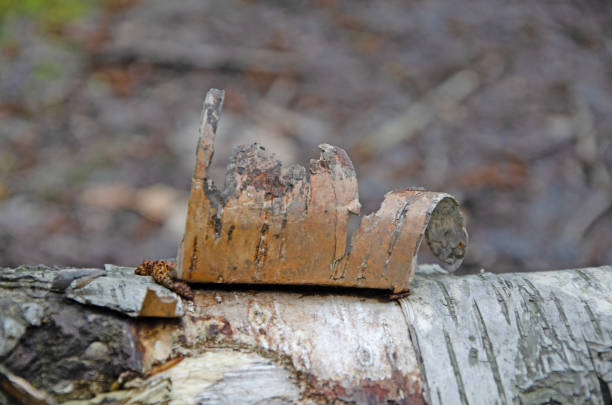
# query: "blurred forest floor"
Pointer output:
{"type": "Point", "coordinates": [506, 105]}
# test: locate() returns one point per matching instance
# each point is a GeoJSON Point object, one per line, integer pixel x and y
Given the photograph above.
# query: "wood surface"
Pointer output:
{"type": "Point", "coordinates": [529, 338]}
{"type": "Point", "coordinates": [275, 225]}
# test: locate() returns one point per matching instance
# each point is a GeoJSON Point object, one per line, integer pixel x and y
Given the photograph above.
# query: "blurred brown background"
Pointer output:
{"type": "Point", "coordinates": [505, 104]}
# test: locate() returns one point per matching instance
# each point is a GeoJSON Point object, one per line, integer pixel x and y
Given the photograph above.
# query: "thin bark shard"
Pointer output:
{"type": "Point", "coordinates": [276, 225]}
{"type": "Point", "coordinates": [130, 294]}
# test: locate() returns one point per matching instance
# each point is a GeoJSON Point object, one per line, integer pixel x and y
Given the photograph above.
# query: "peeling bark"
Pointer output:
{"type": "Point", "coordinates": [276, 225]}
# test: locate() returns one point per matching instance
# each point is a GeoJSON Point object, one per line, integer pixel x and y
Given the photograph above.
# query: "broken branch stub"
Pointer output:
{"type": "Point", "coordinates": [289, 225]}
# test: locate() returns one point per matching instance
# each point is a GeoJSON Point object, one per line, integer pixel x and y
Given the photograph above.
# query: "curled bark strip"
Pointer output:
{"type": "Point", "coordinates": [276, 225]}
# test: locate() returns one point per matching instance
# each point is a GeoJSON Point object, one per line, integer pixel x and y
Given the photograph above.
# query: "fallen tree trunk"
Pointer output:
{"type": "Point", "coordinates": [113, 337]}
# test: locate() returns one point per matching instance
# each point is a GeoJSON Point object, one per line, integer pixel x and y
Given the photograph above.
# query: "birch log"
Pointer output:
{"type": "Point", "coordinates": [77, 336]}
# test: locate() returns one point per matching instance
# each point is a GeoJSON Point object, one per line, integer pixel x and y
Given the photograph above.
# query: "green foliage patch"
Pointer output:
{"type": "Point", "coordinates": [46, 12]}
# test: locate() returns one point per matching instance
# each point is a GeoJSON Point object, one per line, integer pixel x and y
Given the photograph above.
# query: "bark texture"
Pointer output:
{"type": "Point", "coordinates": [537, 338]}
{"type": "Point", "coordinates": [529, 338]}
{"type": "Point", "coordinates": [275, 225]}
{"type": "Point", "coordinates": [58, 345]}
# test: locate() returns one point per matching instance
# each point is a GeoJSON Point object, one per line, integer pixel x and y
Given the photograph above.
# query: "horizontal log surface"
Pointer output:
{"type": "Point", "coordinates": [479, 339]}
{"type": "Point", "coordinates": [343, 347]}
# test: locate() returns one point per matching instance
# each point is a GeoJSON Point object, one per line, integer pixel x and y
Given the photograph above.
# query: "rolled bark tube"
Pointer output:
{"type": "Point", "coordinates": [289, 225]}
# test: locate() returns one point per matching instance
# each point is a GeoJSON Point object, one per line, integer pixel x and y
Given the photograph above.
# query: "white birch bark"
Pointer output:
{"type": "Point", "coordinates": [521, 338]}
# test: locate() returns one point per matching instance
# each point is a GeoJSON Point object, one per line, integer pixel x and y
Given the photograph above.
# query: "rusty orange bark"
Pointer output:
{"type": "Point", "coordinates": [290, 225]}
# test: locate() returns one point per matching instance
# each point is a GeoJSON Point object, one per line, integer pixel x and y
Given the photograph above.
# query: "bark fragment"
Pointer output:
{"type": "Point", "coordinates": [276, 225]}
{"type": "Point", "coordinates": [121, 290]}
